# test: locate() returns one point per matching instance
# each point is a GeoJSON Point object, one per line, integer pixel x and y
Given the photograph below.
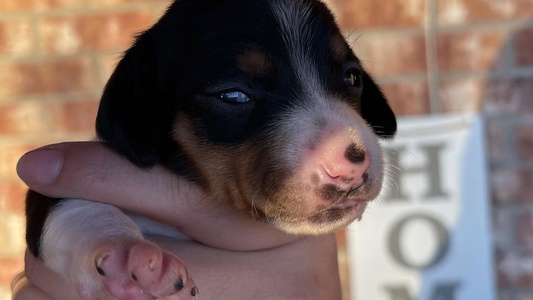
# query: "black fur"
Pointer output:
{"type": "Point", "coordinates": [375, 110]}
{"type": "Point", "coordinates": [181, 65]}
{"type": "Point", "coordinates": [176, 66]}
{"type": "Point", "coordinates": [37, 209]}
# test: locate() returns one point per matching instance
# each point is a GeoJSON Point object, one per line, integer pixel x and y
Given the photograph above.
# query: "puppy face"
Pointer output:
{"type": "Point", "coordinates": [260, 102]}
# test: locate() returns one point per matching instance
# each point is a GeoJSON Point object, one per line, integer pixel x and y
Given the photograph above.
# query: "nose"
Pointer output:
{"type": "Point", "coordinates": [347, 170]}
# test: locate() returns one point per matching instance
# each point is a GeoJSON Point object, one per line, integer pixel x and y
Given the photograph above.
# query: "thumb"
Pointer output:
{"type": "Point", "coordinates": [91, 171]}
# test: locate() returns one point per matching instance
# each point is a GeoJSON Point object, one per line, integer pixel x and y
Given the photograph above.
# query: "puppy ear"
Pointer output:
{"type": "Point", "coordinates": [137, 109]}
{"type": "Point", "coordinates": [375, 109]}
{"type": "Point", "coordinates": [129, 119]}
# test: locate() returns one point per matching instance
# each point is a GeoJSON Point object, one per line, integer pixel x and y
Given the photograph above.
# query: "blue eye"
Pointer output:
{"type": "Point", "coordinates": [234, 97]}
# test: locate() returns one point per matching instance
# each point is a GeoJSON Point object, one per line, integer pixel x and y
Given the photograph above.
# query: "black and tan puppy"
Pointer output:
{"type": "Point", "coordinates": [260, 102]}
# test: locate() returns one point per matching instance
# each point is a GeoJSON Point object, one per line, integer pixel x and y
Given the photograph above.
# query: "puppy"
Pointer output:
{"type": "Point", "coordinates": [261, 103]}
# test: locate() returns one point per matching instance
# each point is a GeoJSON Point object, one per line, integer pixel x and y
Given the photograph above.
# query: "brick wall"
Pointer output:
{"type": "Point", "coordinates": [439, 56]}
{"type": "Point", "coordinates": [55, 56]}
{"type": "Point", "coordinates": [431, 56]}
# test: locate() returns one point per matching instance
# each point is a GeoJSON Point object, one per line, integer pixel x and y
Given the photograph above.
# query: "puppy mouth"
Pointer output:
{"type": "Point", "coordinates": [347, 204]}
{"type": "Point", "coordinates": [341, 210]}
{"type": "Point", "coordinates": [344, 210]}
{"type": "Point", "coordinates": [342, 198]}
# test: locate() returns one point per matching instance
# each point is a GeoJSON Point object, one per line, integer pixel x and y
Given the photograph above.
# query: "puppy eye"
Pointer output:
{"type": "Point", "coordinates": [234, 97]}
{"type": "Point", "coordinates": [352, 77]}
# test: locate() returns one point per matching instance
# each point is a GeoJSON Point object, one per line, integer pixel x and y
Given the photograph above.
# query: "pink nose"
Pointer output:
{"type": "Point", "coordinates": [348, 170]}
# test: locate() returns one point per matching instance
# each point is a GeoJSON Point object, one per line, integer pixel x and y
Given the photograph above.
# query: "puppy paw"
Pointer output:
{"type": "Point", "coordinates": [141, 270]}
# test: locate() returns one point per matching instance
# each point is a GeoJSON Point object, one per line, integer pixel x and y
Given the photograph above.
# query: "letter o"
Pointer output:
{"type": "Point", "coordinates": [442, 237]}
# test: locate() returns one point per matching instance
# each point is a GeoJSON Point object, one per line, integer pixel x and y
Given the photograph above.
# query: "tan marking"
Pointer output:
{"type": "Point", "coordinates": [232, 174]}
{"type": "Point", "coordinates": [254, 62]}
{"type": "Point", "coordinates": [339, 47]}
{"type": "Point", "coordinates": [223, 169]}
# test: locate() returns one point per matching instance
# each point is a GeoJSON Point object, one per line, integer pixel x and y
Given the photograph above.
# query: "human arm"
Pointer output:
{"type": "Point", "coordinates": [289, 272]}
{"type": "Point", "coordinates": [232, 255]}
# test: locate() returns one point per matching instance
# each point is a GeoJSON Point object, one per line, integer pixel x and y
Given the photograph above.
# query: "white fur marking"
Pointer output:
{"type": "Point", "coordinates": [295, 19]}
{"type": "Point", "coordinates": [74, 229]}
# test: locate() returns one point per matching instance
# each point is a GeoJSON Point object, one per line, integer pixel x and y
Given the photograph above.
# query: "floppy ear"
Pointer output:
{"type": "Point", "coordinates": [129, 118]}
{"type": "Point", "coordinates": [136, 109]}
{"type": "Point", "coordinates": [375, 109]}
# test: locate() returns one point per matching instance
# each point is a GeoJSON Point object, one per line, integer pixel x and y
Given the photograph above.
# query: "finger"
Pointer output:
{"type": "Point", "coordinates": [289, 272]}
{"type": "Point", "coordinates": [29, 292]}
{"type": "Point", "coordinates": [89, 170]}
{"type": "Point", "coordinates": [45, 281]}
{"type": "Point", "coordinates": [22, 289]}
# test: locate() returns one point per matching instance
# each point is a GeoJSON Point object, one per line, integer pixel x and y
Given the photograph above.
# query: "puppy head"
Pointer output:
{"type": "Point", "coordinates": [260, 102]}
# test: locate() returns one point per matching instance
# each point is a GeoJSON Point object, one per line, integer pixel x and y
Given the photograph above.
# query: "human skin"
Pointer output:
{"type": "Point", "coordinates": [231, 256]}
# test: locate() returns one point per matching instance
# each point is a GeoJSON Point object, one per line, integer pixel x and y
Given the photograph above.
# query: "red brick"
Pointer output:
{"type": "Point", "coordinates": [526, 186]}
{"type": "Point", "coordinates": [23, 118]}
{"type": "Point", "coordinates": [9, 156]}
{"type": "Point", "coordinates": [469, 11]}
{"type": "Point", "coordinates": [378, 14]}
{"type": "Point", "coordinates": [73, 117]}
{"type": "Point", "coordinates": [46, 77]}
{"type": "Point", "coordinates": [106, 65]}
{"type": "Point", "coordinates": [508, 97]}
{"type": "Point", "coordinates": [525, 140]}
{"type": "Point", "coordinates": [115, 2]}
{"type": "Point", "coordinates": [505, 295]}
{"type": "Point", "coordinates": [32, 5]}
{"type": "Point", "coordinates": [523, 43]}
{"type": "Point", "coordinates": [461, 95]}
{"type": "Point", "coordinates": [11, 234]}
{"type": "Point", "coordinates": [111, 31]}
{"type": "Point", "coordinates": [470, 51]}
{"type": "Point", "coordinates": [6, 6]}
{"type": "Point", "coordinates": [16, 38]}
{"type": "Point", "coordinates": [10, 267]}
{"type": "Point", "coordinates": [526, 280]}
{"type": "Point", "coordinates": [512, 186]}
{"type": "Point", "coordinates": [504, 276]}
{"type": "Point", "coordinates": [496, 133]}
{"type": "Point", "coordinates": [503, 232]}
{"type": "Point", "coordinates": [514, 269]}
{"type": "Point", "coordinates": [12, 197]}
{"type": "Point", "coordinates": [409, 98]}
{"type": "Point", "coordinates": [524, 295]}
{"type": "Point", "coordinates": [524, 230]}
{"type": "Point", "coordinates": [386, 55]}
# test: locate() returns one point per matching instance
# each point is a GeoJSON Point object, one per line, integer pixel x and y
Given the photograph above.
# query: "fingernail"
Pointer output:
{"type": "Point", "coordinates": [40, 167]}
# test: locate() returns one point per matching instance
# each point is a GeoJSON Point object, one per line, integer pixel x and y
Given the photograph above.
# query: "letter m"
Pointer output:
{"type": "Point", "coordinates": [442, 291]}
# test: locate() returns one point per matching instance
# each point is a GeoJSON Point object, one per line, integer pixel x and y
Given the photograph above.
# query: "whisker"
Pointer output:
{"type": "Point", "coordinates": [254, 208]}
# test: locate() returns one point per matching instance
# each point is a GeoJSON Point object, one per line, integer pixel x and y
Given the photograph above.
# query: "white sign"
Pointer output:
{"type": "Point", "coordinates": [428, 236]}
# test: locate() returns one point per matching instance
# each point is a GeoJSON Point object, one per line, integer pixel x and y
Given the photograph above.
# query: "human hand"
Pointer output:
{"type": "Point", "coordinates": [306, 269]}
{"type": "Point", "coordinates": [239, 257]}
{"type": "Point", "coordinates": [90, 171]}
